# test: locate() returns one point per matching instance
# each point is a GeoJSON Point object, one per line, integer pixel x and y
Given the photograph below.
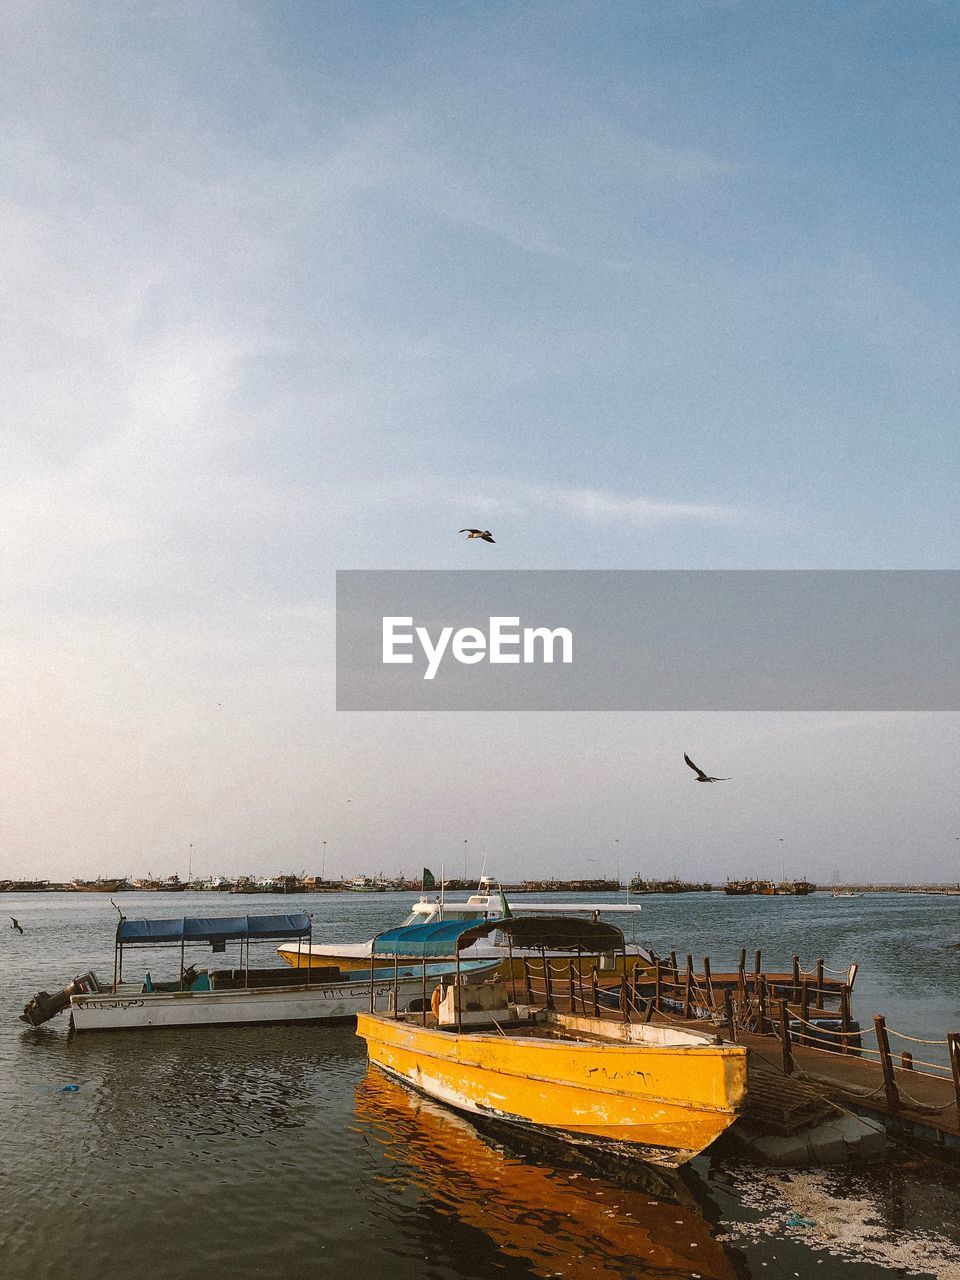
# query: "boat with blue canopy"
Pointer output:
{"type": "Point", "coordinates": [241, 992]}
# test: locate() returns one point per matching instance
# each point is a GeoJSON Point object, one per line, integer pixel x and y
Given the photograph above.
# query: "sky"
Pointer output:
{"type": "Point", "coordinates": [289, 288]}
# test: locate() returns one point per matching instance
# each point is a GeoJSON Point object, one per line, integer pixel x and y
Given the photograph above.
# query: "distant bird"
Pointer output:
{"type": "Point", "coordinates": [15, 924]}
{"type": "Point", "coordinates": [701, 776]}
{"type": "Point", "coordinates": [478, 533]}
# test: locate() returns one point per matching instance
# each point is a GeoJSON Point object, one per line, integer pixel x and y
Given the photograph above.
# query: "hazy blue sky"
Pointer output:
{"type": "Point", "coordinates": [291, 287]}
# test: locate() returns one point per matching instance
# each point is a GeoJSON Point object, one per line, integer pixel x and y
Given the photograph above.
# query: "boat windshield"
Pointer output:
{"type": "Point", "coordinates": [429, 913]}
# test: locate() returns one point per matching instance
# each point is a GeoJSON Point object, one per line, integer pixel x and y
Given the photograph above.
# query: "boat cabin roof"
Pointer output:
{"type": "Point", "coordinates": [487, 906]}
{"type": "Point", "coordinates": [446, 938]}
{"type": "Point", "coordinates": [215, 929]}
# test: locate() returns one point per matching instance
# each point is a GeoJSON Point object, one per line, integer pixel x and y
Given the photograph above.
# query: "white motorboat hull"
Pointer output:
{"type": "Point", "coordinates": [322, 1002]}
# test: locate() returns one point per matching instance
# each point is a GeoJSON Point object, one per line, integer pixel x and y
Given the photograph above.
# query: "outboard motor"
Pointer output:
{"type": "Point", "coordinates": [44, 1006]}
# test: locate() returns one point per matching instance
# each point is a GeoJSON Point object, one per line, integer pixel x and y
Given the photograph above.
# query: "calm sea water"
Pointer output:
{"type": "Point", "coordinates": [276, 1152]}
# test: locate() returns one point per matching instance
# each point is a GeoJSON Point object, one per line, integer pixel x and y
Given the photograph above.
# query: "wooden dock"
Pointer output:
{"type": "Point", "coordinates": [809, 1059]}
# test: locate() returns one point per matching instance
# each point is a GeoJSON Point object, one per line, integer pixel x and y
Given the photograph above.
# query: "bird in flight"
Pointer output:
{"type": "Point", "coordinates": [15, 924]}
{"type": "Point", "coordinates": [478, 533]}
{"type": "Point", "coordinates": [701, 776]}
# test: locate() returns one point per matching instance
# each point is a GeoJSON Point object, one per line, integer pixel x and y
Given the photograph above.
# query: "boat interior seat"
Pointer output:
{"type": "Point", "coordinates": [237, 979]}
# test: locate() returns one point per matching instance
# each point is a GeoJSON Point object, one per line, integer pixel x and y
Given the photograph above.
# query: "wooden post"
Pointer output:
{"type": "Point", "coordinates": [593, 992]}
{"type": "Point", "coordinates": [548, 986]}
{"type": "Point", "coordinates": [528, 994]}
{"type": "Point", "coordinates": [785, 1039]}
{"type": "Point", "coordinates": [820, 983]}
{"type": "Point", "coordinates": [743, 958]}
{"type": "Point", "coordinates": [742, 981]}
{"type": "Point", "coordinates": [953, 1048]}
{"type": "Point", "coordinates": [673, 966]}
{"type": "Point", "coordinates": [845, 1020]}
{"type": "Point", "coordinates": [708, 981]}
{"type": "Point", "coordinates": [658, 983]}
{"type": "Point", "coordinates": [635, 983]}
{"type": "Point", "coordinates": [728, 1013]}
{"type": "Point", "coordinates": [804, 1011]}
{"type": "Point", "coordinates": [762, 1004]}
{"type": "Point", "coordinates": [624, 1002]}
{"type": "Point", "coordinates": [886, 1062]}
{"type": "Point", "coordinates": [796, 979]}
{"type": "Point", "coordinates": [573, 990]}
{"type": "Point", "coordinates": [688, 987]}
{"type": "Point", "coordinates": [756, 964]}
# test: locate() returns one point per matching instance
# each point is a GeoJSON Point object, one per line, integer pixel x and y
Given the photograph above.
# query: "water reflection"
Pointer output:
{"type": "Point", "coordinates": [561, 1221]}
{"type": "Point", "coordinates": [174, 1086]}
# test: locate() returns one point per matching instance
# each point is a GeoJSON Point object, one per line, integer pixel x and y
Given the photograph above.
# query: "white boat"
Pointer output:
{"type": "Point", "coordinates": [222, 996]}
{"type": "Point", "coordinates": [846, 893]}
{"type": "Point", "coordinates": [488, 903]}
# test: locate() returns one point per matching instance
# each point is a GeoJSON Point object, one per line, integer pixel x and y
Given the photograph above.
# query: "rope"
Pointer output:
{"type": "Point", "coordinates": [913, 1039]}
{"type": "Point", "coordinates": [919, 1062]}
{"type": "Point", "coordinates": [827, 1031]}
{"type": "Point", "coordinates": [812, 973]}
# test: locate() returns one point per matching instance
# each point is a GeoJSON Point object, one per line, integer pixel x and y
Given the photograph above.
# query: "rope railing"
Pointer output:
{"type": "Point", "coordinates": [902, 1035]}
{"type": "Point", "coordinates": [812, 973]}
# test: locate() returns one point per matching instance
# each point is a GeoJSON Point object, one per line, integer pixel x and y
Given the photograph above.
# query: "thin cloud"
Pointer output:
{"type": "Point", "coordinates": [599, 506]}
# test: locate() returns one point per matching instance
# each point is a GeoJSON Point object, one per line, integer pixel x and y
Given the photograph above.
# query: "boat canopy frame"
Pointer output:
{"type": "Point", "coordinates": [446, 939]}
{"type": "Point", "coordinates": [215, 931]}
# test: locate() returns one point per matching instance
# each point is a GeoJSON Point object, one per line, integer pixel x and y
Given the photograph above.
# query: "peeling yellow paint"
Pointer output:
{"type": "Point", "coordinates": [676, 1097]}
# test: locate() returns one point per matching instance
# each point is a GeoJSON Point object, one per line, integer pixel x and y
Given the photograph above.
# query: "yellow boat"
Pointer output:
{"type": "Point", "coordinates": [661, 1093]}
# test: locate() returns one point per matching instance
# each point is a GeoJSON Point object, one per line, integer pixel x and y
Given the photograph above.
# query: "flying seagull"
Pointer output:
{"type": "Point", "coordinates": [15, 924]}
{"type": "Point", "coordinates": [478, 533]}
{"type": "Point", "coordinates": [701, 776]}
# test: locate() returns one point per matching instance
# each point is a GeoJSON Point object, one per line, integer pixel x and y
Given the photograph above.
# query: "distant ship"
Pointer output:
{"type": "Point", "coordinates": [637, 885]}
{"type": "Point", "coordinates": [99, 886]}
{"type": "Point", "coordinates": [744, 888]}
{"type": "Point", "coordinates": [796, 888]}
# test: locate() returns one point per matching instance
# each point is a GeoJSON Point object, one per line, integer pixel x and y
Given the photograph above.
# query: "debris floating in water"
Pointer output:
{"type": "Point", "coordinates": [70, 1088]}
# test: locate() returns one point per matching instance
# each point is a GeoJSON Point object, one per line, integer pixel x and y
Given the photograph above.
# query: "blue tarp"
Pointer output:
{"type": "Point", "coordinates": [215, 929]}
{"type": "Point", "coordinates": [438, 940]}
